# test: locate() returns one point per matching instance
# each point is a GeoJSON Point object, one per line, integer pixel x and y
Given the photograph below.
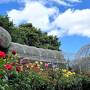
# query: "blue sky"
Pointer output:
{"type": "Point", "coordinates": [68, 19]}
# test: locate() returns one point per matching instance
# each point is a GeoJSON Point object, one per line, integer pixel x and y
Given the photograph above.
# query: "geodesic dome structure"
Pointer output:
{"type": "Point", "coordinates": [82, 59]}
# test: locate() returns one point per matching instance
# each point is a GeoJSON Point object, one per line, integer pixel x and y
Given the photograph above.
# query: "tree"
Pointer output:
{"type": "Point", "coordinates": [29, 35]}
{"type": "Point", "coordinates": [5, 23]}
{"type": "Point", "coordinates": [35, 37]}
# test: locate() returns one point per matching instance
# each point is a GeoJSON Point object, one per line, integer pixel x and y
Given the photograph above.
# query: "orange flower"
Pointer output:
{"type": "Point", "coordinates": [35, 65]}
{"type": "Point", "coordinates": [30, 65]}
{"type": "Point", "coordinates": [19, 68]}
{"type": "Point", "coordinates": [36, 69]}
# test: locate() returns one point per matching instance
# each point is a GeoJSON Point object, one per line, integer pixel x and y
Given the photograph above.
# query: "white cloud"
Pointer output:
{"type": "Point", "coordinates": [70, 22]}
{"type": "Point", "coordinates": [34, 12]}
{"type": "Point", "coordinates": [74, 22]}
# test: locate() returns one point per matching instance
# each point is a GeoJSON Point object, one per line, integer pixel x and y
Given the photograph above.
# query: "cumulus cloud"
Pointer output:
{"type": "Point", "coordinates": [35, 13]}
{"type": "Point", "coordinates": [70, 22]}
{"type": "Point", "coordinates": [74, 22]}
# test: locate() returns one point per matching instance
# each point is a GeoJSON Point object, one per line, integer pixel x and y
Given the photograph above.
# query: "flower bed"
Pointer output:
{"type": "Point", "coordinates": [17, 74]}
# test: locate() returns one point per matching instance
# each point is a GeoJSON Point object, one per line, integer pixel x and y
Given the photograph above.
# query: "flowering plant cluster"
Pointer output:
{"type": "Point", "coordinates": [8, 65]}
{"type": "Point", "coordinates": [19, 74]}
{"type": "Point", "coordinates": [67, 73]}
{"type": "Point", "coordinates": [37, 66]}
{"type": "Point", "coordinates": [11, 65]}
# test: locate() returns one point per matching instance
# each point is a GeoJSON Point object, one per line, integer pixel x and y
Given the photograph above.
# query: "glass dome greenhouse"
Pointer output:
{"type": "Point", "coordinates": [82, 59]}
{"type": "Point", "coordinates": [39, 54]}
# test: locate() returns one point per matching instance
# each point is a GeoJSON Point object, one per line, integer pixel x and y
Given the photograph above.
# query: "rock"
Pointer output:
{"type": "Point", "coordinates": [5, 38]}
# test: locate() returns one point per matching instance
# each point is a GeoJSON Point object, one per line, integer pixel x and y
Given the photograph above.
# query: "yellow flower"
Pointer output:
{"type": "Point", "coordinates": [73, 73]}
{"type": "Point", "coordinates": [66, 75]}
{"type": "Point", "coordinates": [69, 73]}
{"type": "Point", "coordinates": [41, 69]}
{"type": "Point", "coordinates": [64, 70]}
{"type": "Point", "coordinates": [41, 63]}
{"type": "Point", "coordinates": [36, 62]}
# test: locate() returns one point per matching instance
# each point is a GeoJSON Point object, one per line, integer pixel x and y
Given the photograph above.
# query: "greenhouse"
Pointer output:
{"type": "Point", "coordinates": [30, 52]}
{"type": "Point", "coordinates": [82, 59]}
{"type": "Point", "coordinates": [33, 53]}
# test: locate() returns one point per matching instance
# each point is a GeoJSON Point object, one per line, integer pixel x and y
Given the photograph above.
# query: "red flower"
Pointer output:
{"type": "Point", "coordinates": [2, 54]}
{"type": "Point", "coordinates": [18, 69]}
{"type": "Point", "coordinates": [1, 76]}
{"type": "Point", "coordinates": [8, 66]}
{"type": "Point", "coordinates": [13, 52]}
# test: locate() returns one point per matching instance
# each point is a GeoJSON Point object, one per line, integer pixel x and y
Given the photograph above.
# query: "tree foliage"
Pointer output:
{"type": "Point", "coordinates": [29, 35]}
{"type": "Point", "coordinates": [5, 23]}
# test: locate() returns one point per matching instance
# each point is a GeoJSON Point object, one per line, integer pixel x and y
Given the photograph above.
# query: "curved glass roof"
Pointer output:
{"type": "Point", "coordinates": [83, 52]}
{"type": "Point", "coordinates": [34, 53]}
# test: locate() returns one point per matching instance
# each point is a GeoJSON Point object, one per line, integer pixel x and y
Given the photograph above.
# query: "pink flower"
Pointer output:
{"type": "Point", "coordinates": [46, 65]}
